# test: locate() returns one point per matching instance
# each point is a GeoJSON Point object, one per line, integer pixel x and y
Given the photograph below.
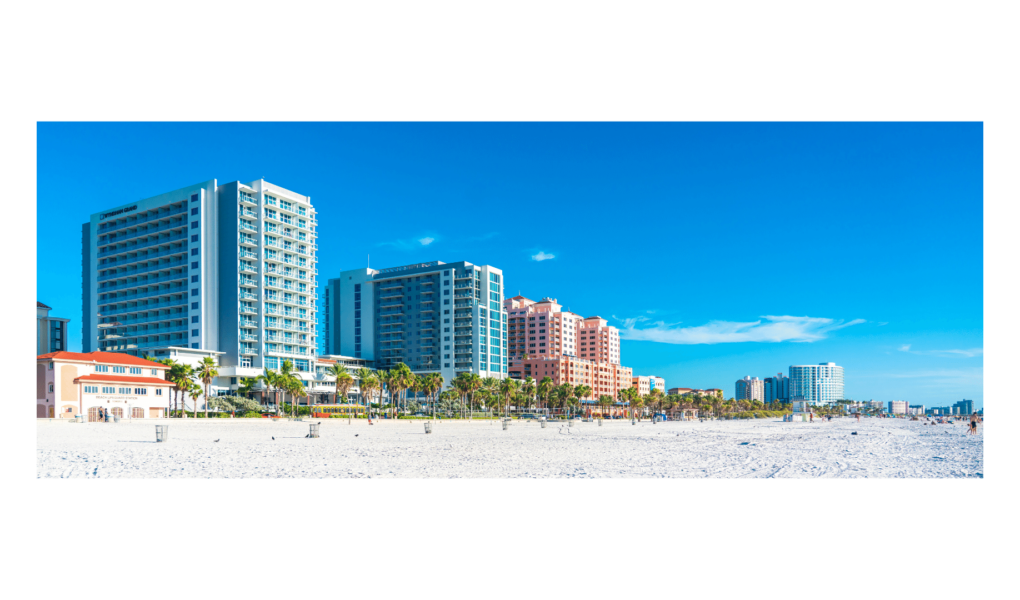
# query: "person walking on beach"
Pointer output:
{"type": "Point", "coordinates": [858, 417]}
{"type": "Point", "coordinates": [973, 424]}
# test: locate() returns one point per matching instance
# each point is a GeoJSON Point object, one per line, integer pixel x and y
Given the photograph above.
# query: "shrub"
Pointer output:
{"type": "Point", "coordinates": [251, 414]}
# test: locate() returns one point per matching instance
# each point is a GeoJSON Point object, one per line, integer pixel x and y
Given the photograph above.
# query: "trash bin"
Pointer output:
{"type": "Point", "coordinates": [633, 421]}
{"type": "Point", "coordinates": [313, 430]}
{"type": "Point", "coordinates": [600, 422]}
{"type": "Point", "coordinates": [506, 423]}
{"type": "Point", "coordinates": [428, 426]}
{"type": "Point", "coordinates": [542, 423]}
{"type": "Point", "coordinates": [116, 419]}
{"type": "Point", "coordinates": [162, 431]}
{"type": "Point", "coordinates": [570, 423]}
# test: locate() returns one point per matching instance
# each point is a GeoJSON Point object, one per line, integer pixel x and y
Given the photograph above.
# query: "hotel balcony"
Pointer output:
{"type": "Point", "coordinates": [248, 282]}
{"type": "Point", "coordinates": [130, 235]}
{"type": "Point", "coordinates": [249, 200]}
{"type": "Point", "coordinates": [141, 246]}
{"type": "Point", "coordinates": [180, 301]}
{"type": "Point", "coordinates": [114, 273]}
{"type": "Point", "coordinates": [245, 240]}
{"type": "Point", "coordinates": [115, 226]}
{"type": "Point", "coordinates": [144, 282]}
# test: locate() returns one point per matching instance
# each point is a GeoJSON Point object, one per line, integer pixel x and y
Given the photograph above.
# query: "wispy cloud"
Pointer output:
{"type": "Point", "coordinates": [415, 243]}
{"type": "Point", "coordinates": [967, 353]}
{"type": "Point", "coordinates": [882, 323]}
{"type": "Point", "coordinates": [968, 380]}
{"type": "Point", "coordinates": [542, 256]}
{"type": "Point", "coordinates": [766, 329]}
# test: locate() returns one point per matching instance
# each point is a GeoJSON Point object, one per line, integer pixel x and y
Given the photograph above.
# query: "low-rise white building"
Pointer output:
{"type": "Point", "coordinates": [646, 383]}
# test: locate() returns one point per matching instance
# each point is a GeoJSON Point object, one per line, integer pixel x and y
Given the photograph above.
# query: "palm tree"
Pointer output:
{"type": "Point", "coordinates": [247, 385]}
{"type": "Point", "coordinates": [272, 380]}
{"type": "Point", "coordinates": [565, 394]}
{"type": "Point", "coordinates": [344, 381]}
{"type": "Point", "coordinates": [362, 375]}
{"type": "Point", "coordinates": [180, 375]}
{"type": "Point", "coordinates": [582, 391]}
{"type": "Point", "coordinates": [296, 388]}
{"type": "Point", "coordinates": [206, 372]}
{"type": "Point", "coordinates": [508, 388]}
{"type": "Point", "coordinates": [461, 384]}
{"type": "Point", "coordinates": [528, 389]}
{"type": "Point", "coordinates": [543, 388]}
{"type": "Point", "coordinates": [195, 391]}
{"type": "Point", "coordinates": [367, 384]}
{"type": "Point", "coordinates": [605, 401]}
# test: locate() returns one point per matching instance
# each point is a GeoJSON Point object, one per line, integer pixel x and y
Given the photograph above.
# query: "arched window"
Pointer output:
{"type": "Point", "coordinates": [93, 414]}
{"type": "Point", "coordinates": [117, 412]}
{"type": "Point", "coordinates": [137, 413]}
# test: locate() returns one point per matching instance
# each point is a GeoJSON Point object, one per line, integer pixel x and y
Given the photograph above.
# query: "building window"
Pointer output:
{"type": "Point", "coordinates": [154, 372]}
{"type": "Point", "coordinates": [136, 370]}
{"type": "Point", "coordinates": [194, 333]}
{"type": "Point", "coordinates": [194, 291]}
{"type": "Point", "coordinates": [118, 369]}
{"type": "Point", "coordinates": [194, 319]}
{"type": "Point", "coordinates": [194, 224]}
{"type": "Point", "coordinates": [194, 251]}
{"type": "Point", "coordinates": [194, 306]}
{"type": "Point", "coordinates": [50, 388]}
{"type": "Point", "coordinates": [194, 345]}
{"type": "Point", "coordinates": [194, 197]}
{"type": "Point", "coordinates": [194, 211]}
{"type": "Point", "coordinates": [91, 389]}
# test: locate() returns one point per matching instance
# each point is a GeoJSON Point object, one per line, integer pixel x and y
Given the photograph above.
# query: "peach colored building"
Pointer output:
{"type": "Point", "coordinates": [646, 383]}
{"type": "Point", "coordinates": [76, 383]}
{"type": "Point", "coordinates": [565, 347]}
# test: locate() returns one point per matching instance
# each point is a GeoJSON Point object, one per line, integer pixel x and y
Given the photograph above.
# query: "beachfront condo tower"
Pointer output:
{"type": "Point", "coordinates": [433, 317]}
{"type": "Point", "coordinates": [226, 269]}
{"type": "Point", "coordinates": [818, 384]}
{"type": "Point", "coordinates": [777, 389]}
{"type": "Point", "coordinates": [750, 388]}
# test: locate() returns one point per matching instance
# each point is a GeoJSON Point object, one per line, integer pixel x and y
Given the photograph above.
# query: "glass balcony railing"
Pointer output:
{"type": "Point", "coordinates": [115, 226]}
{"type": "Point", "coordinates": [120, 239]}
{"type": "Point", "coordinates": [135, 271]}
{"type": "Point", "coordinates": [144, 282]}
{"type": "Point", "coordinates": [177, 289]}
{"type": "Point", "coordinates": [141, 246]}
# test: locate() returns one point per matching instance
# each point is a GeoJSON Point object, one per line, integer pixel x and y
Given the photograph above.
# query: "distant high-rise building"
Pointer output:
{"type": "Point", "coordinates": [898, 407]}
{"type": "Point", "coordinates": [965, 407]}
{"type": "Point", "coordinates": [777, 389]}
{"type": "Point", "coordinates": [50, 332]}
{"type": "Point", "coordinates": [819, 384]}
{"type": "Point", "coordinates": [750, 388]}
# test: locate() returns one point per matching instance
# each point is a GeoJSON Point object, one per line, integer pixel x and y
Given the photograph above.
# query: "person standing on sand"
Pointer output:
{"type": "Point", "coordinates": [973, 424]}
{"type": "Point", "coordinates": [858, 417]}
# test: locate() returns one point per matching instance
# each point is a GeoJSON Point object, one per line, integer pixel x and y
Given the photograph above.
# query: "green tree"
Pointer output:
{"type": "Point", "coordinates": [344, 381]}
{"type": "Point", "coordinates": [206, 373]}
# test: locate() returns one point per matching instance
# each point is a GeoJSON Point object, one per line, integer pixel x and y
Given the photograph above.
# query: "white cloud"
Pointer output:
{"type": "Point", "coordinates": [766, 329]}
{"type": "Point", "coordinates": [542, 256]}
{"type": "Point", "coordinates": [967, 353]}
{"type": "Point", "coordinates": [425, 241]}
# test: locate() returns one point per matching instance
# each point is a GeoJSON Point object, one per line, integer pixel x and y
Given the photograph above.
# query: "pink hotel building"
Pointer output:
{"type": "Point", "coordinates": [564, 346]}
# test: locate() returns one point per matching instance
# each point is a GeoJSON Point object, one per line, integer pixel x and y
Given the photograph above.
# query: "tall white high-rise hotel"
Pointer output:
{"type": "Point", "coordinates": [229, 268]}
{"type": "Point", "coordinates": [818, 384]}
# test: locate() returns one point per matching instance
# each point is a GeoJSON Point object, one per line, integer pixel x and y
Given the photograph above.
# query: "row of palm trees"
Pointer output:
{"type": "Point", "coordinates": [467, 391]}
{"type": "Point", "coordinates": [186, 380]}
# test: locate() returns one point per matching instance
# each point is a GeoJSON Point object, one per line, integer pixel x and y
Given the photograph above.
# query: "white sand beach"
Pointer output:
{"type": "Point", "coordinates": [722, 449]}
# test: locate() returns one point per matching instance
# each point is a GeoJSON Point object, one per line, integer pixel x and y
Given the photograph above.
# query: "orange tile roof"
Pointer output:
{"type": "Point", "coordinates": [104, 378]}
{"type": "Point", "coordinates": [115, 358]}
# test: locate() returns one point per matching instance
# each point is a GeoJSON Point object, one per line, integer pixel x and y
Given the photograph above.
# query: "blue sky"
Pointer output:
{"type": "Point", "coordinates": [719, 249]}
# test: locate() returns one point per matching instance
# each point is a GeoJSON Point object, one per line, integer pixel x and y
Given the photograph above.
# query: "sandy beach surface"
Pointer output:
{"type": "Point", "coordinates": [721, 449]}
